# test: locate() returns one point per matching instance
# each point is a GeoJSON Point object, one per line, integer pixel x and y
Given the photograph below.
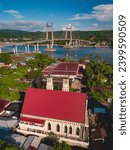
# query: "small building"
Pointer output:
{"type": "Point", "coordinates": [98, 136]}
{"type": "Point", "coordinates": [5, 65]}
{"type": "Point", "coordinates": [45, 147]}
{"type": "Point", "coordinates": [69, 70]}
{"type": "Point", "coordinates": [13, 109]}
{"type": "Point", "coordinates": [35, 143]}
{"type": "Point", "coordinates": [8, 123]}
{"type": "Point", "coordinates": [59, 113]}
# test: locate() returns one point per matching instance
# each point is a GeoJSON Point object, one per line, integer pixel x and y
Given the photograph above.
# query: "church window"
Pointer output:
{"type": "Point", "coordinates": [49, 126]}
{"type": "Point", "coordinates": [70, 130]}
{"type": "Point", "coordinates": [65, 130]}
{"type": "Point", "coordinates": [58, 128]}
{"type": "Point", "coordinates": [77, 131]}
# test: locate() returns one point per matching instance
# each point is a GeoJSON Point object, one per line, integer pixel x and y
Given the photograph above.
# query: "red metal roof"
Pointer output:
{"type": "Point", "coordinates": [63, 68]}
{"type": "Point", "coordinates": [32, 120]}
{"type": "Point", "coordinates": [32, 148]}
{"type": "Point", "coordinates": [60, 105]}
{"type": "Point", "coordinates": [3, 104]}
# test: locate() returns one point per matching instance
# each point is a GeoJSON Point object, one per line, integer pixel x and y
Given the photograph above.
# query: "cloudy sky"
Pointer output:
{"type": "Point", "coordinates": [32, 15]}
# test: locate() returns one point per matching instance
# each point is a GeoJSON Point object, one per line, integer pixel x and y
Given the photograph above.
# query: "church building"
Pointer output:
{"type": "Point", "coordinates": [55, 113]}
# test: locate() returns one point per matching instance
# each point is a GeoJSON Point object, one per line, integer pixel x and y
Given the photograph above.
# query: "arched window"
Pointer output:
{"type": "Point", "coordinates": [70, 130]}
{"type": "Point", "coordinates": [49, 126]}
{"type": "Point", "coordinates": [58, 128]}
{"type": "Point", "coordinates": [65, 129]}
{"type": "Point", "coordinates": [77, 131]}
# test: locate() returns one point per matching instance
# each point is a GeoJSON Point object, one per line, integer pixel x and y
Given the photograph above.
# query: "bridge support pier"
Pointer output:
{"type": "Point", "coordinates": [37, 47]}
{"type": "Point", "coordinates": [28, 48]}
{"type": "Point", "coordinates": [25, 48]}
{"type": "Point", "coordinates": [16, 49]}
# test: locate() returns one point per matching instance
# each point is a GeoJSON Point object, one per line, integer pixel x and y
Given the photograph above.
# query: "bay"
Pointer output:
{"type": "Point", "coordinates": [105, 52]}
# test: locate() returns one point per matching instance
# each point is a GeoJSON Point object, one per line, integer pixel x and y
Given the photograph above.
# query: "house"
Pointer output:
{"type": "Point", "coordinates": [98, 136]}
{"type": "Point", "coordinates": [59, 113]}
{"type": "Point", "coordinates": [3, 105]}
{"type": "Point", "coordinates": [5, 65]}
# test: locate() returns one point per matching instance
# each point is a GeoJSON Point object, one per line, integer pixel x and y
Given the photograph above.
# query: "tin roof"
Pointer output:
{"type": "Point", "coordinates": [68, 106]}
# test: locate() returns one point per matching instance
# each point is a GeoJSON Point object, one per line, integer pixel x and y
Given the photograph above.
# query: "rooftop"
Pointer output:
{"type": "Point", "coordinates": [3, 104]}
{"type": "Point", "coordinates": [8, 123]}
{"type": "Point", "coordinates": [63, 68]}
{"type": "Point", "coordinates": [68, 106]}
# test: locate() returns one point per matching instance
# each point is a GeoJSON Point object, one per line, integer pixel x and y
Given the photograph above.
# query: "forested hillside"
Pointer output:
{"type": "Point", "coordinates": [98, 35]}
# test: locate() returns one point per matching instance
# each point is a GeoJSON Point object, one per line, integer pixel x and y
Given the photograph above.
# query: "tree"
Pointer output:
{"type": "Point", "coordinates": [40, 61]}
{"type": "Point", "coordinates": [11, 82]}
{"type": "Point", "coordinates": [32, 63]}
{"type": "Point", "coordinates": [6, 146]}
{"type": "Point", "coordinates": [2, 144]}
{"type": "Point", "coordinates": [99, 79]}
{"type": "Point", "coordinates": [12, 147]}
{"type": "Point", "coordinates": [94, 36]}
{"type": "Point", "coordinates": [5, 58]}
{"type": "Point", "coordinates": [43, 60]}
{"type": "Point", "coordinates": [61, 146]}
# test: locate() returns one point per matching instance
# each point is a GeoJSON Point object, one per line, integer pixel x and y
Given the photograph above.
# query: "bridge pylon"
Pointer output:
{"type": "Point", "coordinates": [15, 49]}
{"type": "Point", "coordinates": [27, 47]}
{"type": "Point", "coordinates": [68, 33]}
{"type": "Point", "coordinates": [68, 36]}
{"type": "Point", "coordinates": [49, 31]}
{"type": "Point", "coordinates": [50, 36]}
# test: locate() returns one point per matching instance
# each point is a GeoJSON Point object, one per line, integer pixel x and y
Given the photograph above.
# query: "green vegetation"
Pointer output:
{"type": "Point", "coordinates": [99, 80]}
{"type": "Point", "coordinates": [17, 34]}
{"type": "Point", "coordinates": [61, 146]}
{"type": "Point", "coordinates": [40, 61]}
{"type": "Point", "coordinates": [5, 58]}
{"type": "Point", "coordinates": [6, 146]}
{"type": "Point", "coordinates": [13, 81]}
{"type": "Point", "coordinates": [94, 36]}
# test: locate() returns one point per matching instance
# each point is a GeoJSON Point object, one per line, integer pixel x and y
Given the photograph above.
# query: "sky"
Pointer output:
{"type": "Point", "coordinates": [32, 15]}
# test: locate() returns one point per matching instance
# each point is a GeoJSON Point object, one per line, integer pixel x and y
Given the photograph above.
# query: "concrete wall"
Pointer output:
{"type": "Point", "coordinates": [44, 129]}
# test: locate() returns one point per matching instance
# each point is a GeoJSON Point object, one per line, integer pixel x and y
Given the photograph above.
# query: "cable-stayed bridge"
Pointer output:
{"type": "Point", "coordinates": [68, 37]}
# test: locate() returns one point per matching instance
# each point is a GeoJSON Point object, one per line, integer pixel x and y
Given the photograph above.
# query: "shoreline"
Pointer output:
{"type": "Point", "coordinates": [64, 45]}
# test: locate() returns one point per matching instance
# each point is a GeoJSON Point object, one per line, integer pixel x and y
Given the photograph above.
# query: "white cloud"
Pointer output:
{"type": "Point", "coordinates": [27, 25]}
{"type": "Point", "coordinates": [100, 12]}
{"type": "Point", "coordinates": [14, 13]}
{"type": "Point", "coordinates": [68, 25]}
{"type": "Point", "coordinates": [89, 27]}
{"type": "Point", "coordinates": [81, 17]}
{"type": "Point", "coordinates": [97, 27]}
{"type": "Point", "coordinates": [95, 24]}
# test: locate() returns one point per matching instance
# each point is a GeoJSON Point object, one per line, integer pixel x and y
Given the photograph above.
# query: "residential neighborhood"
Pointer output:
{"type": "Point", "coordinates": [56, 75]}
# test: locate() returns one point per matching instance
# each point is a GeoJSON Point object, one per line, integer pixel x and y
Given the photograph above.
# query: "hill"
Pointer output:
{"type": "Point", "coordinates": [106, 34]}
{"type": "Point", "coordinates": [94, 36]}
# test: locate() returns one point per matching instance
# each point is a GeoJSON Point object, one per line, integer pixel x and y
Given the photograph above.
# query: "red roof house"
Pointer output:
{"type": "Point", "coordinates": [67, 106]}
{"type": "Point", "coordinates": [63, 69]}
{"type": "Point", "coordinates": [3, 104]}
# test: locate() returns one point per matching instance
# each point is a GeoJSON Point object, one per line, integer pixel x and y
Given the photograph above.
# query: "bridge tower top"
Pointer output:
{"type": "Point", "coordinates": [49, 29]}
{"type": "Point", "coordinates": [68, 33]}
